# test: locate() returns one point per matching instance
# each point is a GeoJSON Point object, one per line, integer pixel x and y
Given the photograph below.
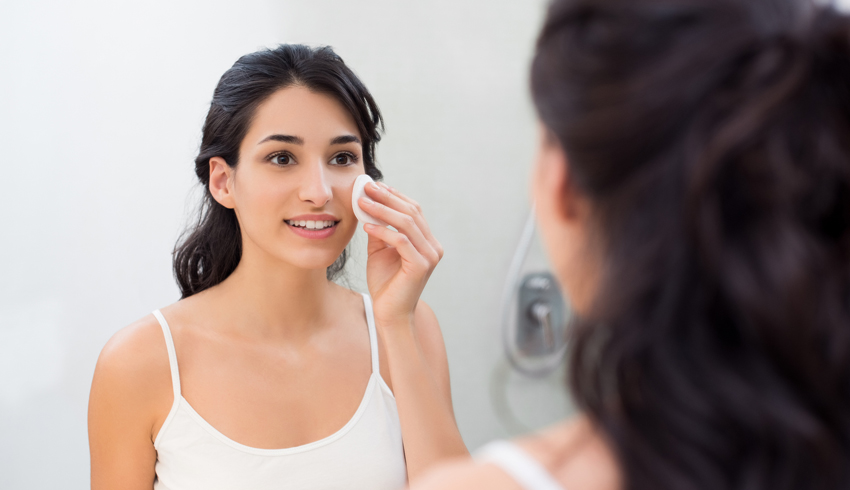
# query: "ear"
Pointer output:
{"type": "Point", "coordinates": [221, 182]}
{"type": "Point", "coordinates": [555, 179]}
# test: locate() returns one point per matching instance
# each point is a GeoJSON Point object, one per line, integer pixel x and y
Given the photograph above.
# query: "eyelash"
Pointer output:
{"type": "Point", "coordinates": [286, 154]}
{"type": "Point", "coordinates": [353, 159]}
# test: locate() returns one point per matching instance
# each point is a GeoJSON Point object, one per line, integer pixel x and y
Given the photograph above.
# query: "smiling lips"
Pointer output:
{"type": "Point", "coordinates": [315, 227]}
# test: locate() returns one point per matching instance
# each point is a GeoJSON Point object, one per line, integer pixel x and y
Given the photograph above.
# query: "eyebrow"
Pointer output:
{"type": "Point", "coordinates": [349, 138]}
{"type": "Point", "coordinates": [283, 138]}
{"type": "Point", "coordinates": [295, 140]}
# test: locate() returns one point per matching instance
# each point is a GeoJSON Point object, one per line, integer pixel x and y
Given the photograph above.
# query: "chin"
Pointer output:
{"type": "Point", "coordinates": [313, 259]}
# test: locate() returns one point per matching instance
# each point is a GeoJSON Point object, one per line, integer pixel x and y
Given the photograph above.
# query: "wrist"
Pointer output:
{"type": "Point", "coordinates": [395, 328]}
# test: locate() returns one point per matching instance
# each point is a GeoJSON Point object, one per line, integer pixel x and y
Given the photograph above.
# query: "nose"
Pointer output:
{"type": "Point", "coordinates": [315, 188]}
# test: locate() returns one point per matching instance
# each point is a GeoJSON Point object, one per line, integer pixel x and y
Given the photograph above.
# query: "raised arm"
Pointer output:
{"type": "Point", "coordinates": [420, 373]}
{"type": "Point", "coordinates": [400, 263]}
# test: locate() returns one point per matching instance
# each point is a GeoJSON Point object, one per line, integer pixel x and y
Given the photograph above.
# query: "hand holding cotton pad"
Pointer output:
{"type": "Point", "coordinates": [358, 191]}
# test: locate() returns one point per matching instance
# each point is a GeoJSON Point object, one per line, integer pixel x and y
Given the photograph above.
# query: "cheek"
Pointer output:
{"type": "Point", "coordinates": [562, 251]}
{"type": "Point", "coordinates": [342, 190]}
{"type": "Point", "coordinates": [556, 236]}
{"type": "Point", "coordinates": [258, 196]}
{"type": "Point", "coordinates": [550, 233]}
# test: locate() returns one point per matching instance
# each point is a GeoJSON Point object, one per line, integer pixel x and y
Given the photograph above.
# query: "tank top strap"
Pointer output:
{"type": "Point", "coordinates": [513, 460]}
{"type": "Point", "coordinates": [373, 334]}
{"type": "Point", "coordinates": [172, 353]}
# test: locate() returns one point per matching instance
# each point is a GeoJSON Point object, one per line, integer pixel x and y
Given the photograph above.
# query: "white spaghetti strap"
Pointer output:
{"type": "Point", "coordinates": [527, 471]}
{"type": "Point", "coordinates": [373, 334]}
{"type": "Point", "coordinates": [172, 354]}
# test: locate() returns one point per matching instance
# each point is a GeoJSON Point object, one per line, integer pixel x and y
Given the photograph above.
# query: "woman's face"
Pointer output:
{"type": "Point", "coordinates": [291, 189]}
{"type": "Point", "coordinates": [564, 217]}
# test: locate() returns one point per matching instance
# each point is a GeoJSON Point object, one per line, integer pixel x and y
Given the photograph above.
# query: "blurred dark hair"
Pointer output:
{"type": "Point", "coordinates": [713, 139]}
{"type": "Point", "coordinates": [210, 251]}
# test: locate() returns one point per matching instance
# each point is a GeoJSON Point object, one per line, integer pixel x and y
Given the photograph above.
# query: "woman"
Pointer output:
{"type": "Point", "coordinates": [693, 191]}
{"type": "Point", "coordinates": [266, 374]}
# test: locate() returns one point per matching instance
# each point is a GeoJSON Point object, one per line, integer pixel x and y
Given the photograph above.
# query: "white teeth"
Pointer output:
{"type": "Point", "coordinates": [311, 225]}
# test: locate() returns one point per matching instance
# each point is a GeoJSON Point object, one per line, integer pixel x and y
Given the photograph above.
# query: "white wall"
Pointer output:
{"type": "Point", "coordinates": [101, 105]}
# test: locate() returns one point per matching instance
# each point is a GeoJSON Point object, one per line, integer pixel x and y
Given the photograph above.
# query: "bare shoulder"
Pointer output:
{"type": "Point", "coordinates": [577, 454]}
{"type": "Point", "coordinates": [133, 371]}
{"type": "Point", "coordinates": [573, 452]}
{"type": "Point", "coordinates": [465, 474]}
{"type": "Point", "coordinates": [136, 351]}
{"type": "Point", "coordinates": [130, 399]}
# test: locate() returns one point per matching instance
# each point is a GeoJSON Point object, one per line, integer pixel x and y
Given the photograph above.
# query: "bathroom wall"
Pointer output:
{"type": "Point", "coordinates": [101, 105]}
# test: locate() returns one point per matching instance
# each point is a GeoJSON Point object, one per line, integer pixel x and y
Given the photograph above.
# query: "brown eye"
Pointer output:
{"type": "Point", "coordinates": [281, 159]}
{"type": "Point", "coordinates": [344, 159]}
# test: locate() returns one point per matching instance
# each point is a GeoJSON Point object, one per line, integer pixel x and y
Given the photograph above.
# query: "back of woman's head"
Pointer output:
{"type": "Point", "coordinates": [212, 248]}
{"type": "Point", "coordinates": [712, 138]}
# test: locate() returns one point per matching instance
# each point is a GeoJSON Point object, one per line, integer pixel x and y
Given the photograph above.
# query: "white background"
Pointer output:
{"type": "Point", "coordinates": [101, 105]}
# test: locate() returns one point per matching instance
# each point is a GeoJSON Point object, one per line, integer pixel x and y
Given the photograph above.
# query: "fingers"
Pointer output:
{"type": "Point", "coordinates": [419, 216]}
{"type": "Point", "coordinates": [403, 245]}
{"type": "Point", "coordinates": [397, 201]}
{"type": "Point", "coordinates": [404, 223]}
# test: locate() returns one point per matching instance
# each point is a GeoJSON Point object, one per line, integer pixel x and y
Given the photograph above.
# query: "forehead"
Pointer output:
{"type": "Point", "coordinates": [297, 111]}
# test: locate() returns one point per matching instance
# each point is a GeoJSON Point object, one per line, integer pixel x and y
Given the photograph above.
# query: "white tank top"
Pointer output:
{"type": "Point", "coordinates": [518, 464]}
{"type": "Point", "coordinates": [366, 453]}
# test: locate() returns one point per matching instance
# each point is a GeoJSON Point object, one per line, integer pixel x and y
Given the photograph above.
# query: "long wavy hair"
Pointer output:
{"type": "Point", "coordinates": [713, 139]}
{"type": "Point", "coordinates": [209, 251]}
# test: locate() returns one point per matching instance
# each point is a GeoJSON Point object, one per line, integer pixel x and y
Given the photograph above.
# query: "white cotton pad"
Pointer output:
{"type": "Point", "coordinates": [357, 192]}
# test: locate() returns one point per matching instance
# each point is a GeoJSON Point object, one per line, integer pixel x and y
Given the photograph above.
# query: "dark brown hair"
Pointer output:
{"type": "Point", "coordinates": [713, 139]}
{"type": "Point", "coordinates": [210, 251]}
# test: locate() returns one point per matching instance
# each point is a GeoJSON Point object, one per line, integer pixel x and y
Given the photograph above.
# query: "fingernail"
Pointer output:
{"type": "Point", "coordinates": [374, 186]}
{"type": "Point", "coordinates": [367, 200]}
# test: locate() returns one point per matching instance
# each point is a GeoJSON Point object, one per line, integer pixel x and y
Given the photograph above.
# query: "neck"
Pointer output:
{"type": "Point", "coordinates": [276, 299]}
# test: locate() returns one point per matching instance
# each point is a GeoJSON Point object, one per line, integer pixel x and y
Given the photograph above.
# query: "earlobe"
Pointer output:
{"type": "Point", "coordinates": [220, 182]}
